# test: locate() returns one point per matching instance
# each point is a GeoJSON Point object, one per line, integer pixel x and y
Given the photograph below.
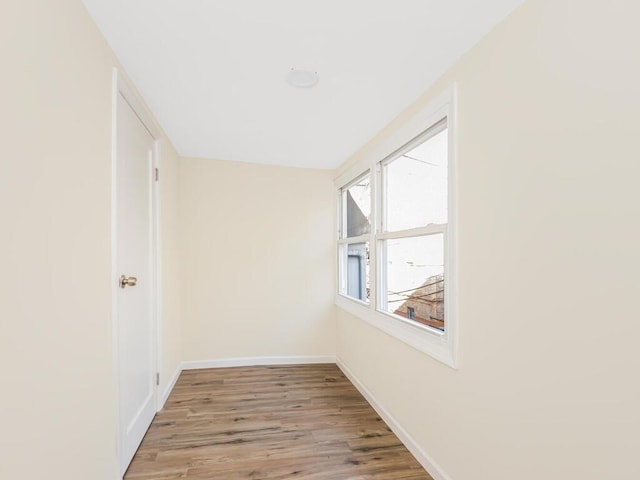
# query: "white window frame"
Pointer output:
{"type": "Point", "coordinates": [344, 241]}
{"type": "Point", "coordinates": [440, 345]}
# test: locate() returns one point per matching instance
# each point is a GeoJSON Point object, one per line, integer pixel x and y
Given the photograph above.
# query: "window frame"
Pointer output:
{"type": "Point", "coordinates": [344, 241]}
{"type": "Point", "coordinates": [416, 130]}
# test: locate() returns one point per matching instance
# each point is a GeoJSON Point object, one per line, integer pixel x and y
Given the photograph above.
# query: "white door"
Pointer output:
{"type": "Point", "coordinates": [136, 333]}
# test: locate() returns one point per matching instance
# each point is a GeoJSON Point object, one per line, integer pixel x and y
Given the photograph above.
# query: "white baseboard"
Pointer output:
{"type": "Point", "coordinates": [425, 460]}
{"type": "Point", "coordinates": [169, 389]}
{"type": "Point", "coordinates": [257, 361]}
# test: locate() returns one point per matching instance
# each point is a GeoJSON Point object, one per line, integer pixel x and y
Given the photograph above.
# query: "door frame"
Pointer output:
{"type": "Point", "coordinates": [122, 86]}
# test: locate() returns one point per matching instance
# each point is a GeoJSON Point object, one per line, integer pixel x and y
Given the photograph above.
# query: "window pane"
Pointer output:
{"type": "Point", "coordinates": [416, 186]}
{"type": "Point", "coordinates": [357, 268]}
{"type": "Point", "coordinates": [415, 279]}
{"type": "Point", "coordinates": [358, 207]}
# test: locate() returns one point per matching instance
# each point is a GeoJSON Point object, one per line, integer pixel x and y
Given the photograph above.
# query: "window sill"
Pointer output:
{"type": "Point", "coordinates": [424, 339]}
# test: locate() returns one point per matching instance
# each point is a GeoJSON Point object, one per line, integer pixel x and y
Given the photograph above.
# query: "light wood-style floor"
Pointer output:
{"type": "Point", "coordinates": [278, 422]}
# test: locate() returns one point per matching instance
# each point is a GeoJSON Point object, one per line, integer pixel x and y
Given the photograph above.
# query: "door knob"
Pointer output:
{"type": "Point", "coordinates": [127, 281]}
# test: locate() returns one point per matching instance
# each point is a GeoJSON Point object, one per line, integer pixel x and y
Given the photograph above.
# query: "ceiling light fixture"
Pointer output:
{"type": "Point", "coordinates": [302, 78]}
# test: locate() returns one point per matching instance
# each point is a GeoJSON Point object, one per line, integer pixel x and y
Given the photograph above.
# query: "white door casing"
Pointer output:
{"type": "Point", "coordinates": [135, 329]}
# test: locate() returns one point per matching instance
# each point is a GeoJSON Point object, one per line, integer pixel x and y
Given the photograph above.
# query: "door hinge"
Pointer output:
{"type": "Point", "coordinates": [156, 174]}
{"type": "Point", "coordinates": [157, 378]}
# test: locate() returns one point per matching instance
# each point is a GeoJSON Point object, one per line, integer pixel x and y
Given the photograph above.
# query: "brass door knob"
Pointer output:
{"type": "Point", "coordinates": [127, 281]}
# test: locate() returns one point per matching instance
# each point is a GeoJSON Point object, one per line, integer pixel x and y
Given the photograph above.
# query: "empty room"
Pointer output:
{"type": "Point", "coordinates": [340, 240]}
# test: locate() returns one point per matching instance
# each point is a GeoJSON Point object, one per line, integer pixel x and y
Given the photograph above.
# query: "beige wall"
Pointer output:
{"type": "Point", "coordinates": [549, 205]}
{"type": "Point", "coordinates": [258, 260]}
{"type": "Point", "coordinates": [170, 269]}
{"type": "Point", "coordinates": [57, 401]}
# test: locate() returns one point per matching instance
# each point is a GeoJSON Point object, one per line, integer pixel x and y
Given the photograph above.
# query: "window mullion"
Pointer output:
{"type": "Point", "coordinates": [343, 214]}
{"type": "Point", "coordinates": [342, 269]}
{"type": "Point", "coordinates": [381, 271]}
{"type": "Point", "coordinates": [373, 249]}
{"type": "Point", "coordinates": [381, 305]}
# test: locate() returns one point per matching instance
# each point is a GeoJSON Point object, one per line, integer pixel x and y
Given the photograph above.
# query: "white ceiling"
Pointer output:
{"type": "Point", "coordinates": [213, 71]}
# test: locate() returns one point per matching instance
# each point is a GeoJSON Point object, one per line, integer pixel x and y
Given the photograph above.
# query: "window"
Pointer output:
{"type": "Point", "coordinates": [414, 222]}
{"type": "Point", "coordinates": [395, 240]}
{"type": "Point", "coordinates": [355, 200]}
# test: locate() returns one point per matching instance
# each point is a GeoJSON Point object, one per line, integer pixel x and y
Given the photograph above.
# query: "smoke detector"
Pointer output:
{"type": "Point", "coordinates": [300, 78]}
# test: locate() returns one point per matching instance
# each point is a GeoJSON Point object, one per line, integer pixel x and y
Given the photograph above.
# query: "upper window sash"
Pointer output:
{"type": "Point", "coordinates": [423, 137]}
{"type": "Point", "coordinates": [382, 173]}
{"type": "Point", "coordinates": [344, 201]}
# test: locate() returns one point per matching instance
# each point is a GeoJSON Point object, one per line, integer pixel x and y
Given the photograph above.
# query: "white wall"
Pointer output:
{"type": "Point", "coordinates": [57, 399]}
{"type": "Point", "coordinates": [549, 205]}
{"type": "Point", "coordinates": [258, 260]}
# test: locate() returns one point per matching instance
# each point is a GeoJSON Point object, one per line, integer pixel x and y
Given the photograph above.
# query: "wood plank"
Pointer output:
{"type": "Point", "coordinates": [270, 422]}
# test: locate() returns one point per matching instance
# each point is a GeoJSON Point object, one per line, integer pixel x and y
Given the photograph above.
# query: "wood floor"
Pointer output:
{"type": "Point", "coordinates": [278, 422]}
